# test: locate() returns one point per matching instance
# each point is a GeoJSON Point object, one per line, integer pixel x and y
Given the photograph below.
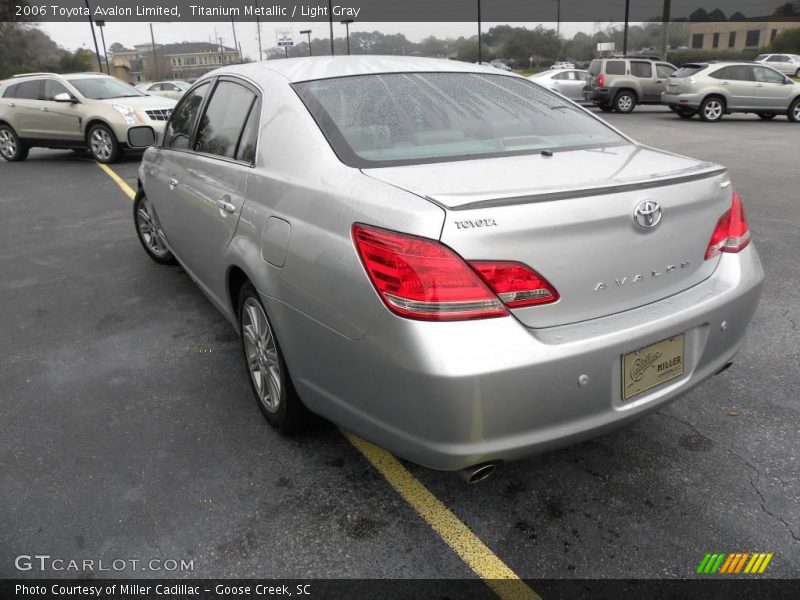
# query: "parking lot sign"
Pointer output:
{"type": "Point", "coordinates": [285, 38]}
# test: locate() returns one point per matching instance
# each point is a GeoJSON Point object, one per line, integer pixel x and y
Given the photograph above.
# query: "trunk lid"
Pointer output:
{"type": "Point", "coordinates": [571, 218]}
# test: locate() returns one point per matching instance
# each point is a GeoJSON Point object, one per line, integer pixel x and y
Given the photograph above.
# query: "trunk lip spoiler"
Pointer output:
{"type": "Point", "coordinates": [601, 190]}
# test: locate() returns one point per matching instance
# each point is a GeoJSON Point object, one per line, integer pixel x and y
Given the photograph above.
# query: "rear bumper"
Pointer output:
{"type": "Point", "coordinates": [452, 395]}
{"type": "Point", "coordinates": [677, 100]}
{"type": "Point", "coordinates": [597, 95]}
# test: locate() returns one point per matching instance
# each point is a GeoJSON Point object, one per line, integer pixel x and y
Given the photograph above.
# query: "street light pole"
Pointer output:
{"type": "Point", "coordinates": [94, 37]}
{"type": "Point", "coordinates": [625, 34]}
{"type": "Point", "coordinates": [346, 24]}
{"type": "Point", "coordinates": [665, 28]}
{"type": "Point", "coordinates": [155, 56]}
{"type": "Point", "coordinates": [558, 28]}
{"type": "Point", "coordinates": [235, 43]}
{"type": "Point", "coordinates": [330, 22]}
{"type": "Point", "coordinates": [480, 57]}
{"type": "Point", "coordinates": [308, 33]}
{"type": "Point", "coordinates": [258, 28]}
{"type": "Point", "coordinates": [101, 24]}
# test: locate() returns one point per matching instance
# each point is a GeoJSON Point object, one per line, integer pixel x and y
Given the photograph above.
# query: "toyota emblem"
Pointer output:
{"type": "Point", "coordinates": [647, 214]}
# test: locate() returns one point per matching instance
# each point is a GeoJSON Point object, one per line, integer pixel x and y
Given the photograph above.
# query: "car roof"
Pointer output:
{"type": "Point", "coordinates": [325, 67]}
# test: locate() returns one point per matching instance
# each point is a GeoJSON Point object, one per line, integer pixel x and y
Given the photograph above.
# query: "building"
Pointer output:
{"type": "Point", "coordinates": [736, 36]}
{"type": "Point", "coordinates": [186, 60]}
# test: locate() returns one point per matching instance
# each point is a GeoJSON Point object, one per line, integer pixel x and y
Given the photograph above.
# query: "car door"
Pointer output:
{"type": "Point", "coordinates": [772, 91]}
{"type": "Point", "coordinates": [59, 120]}
{"type": "Point", "coordinates": [572, 85]}
{"type": "Point", "coordinates": [780, 62]}
{"type": "Point", "coordinates": [663, 72]}
{"type": "Point", "coordinates": [642, 72]}
{"type": "Point", "coordinates": [25, 106]}
{"type": "Point", "coordinates": [738, 84]}
{"type": "Point", "coordinates": [210, 181]}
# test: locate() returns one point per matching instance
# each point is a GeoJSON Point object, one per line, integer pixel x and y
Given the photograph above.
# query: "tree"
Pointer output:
{"type": "Point", "coordinates": [787, 40]}
{"type": "Point", "coordinates": [785, 10]}
{"type": "Point", "coordinates": [699, 16]}
{"type": "Point", "coordinates": [737, 16]}
{"type": "Point", "coordinates": [717, 15]}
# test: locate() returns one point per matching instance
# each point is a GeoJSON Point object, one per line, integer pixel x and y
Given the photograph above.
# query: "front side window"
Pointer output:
{"type": "Point", "coordinates": [416, 118]}
{"type": "Point", "coordinates": [104, 88]}
{"type": "Point", "coordinates": [643, 70]}
{"type": "Point", "coordinates": [52, 88]}
{"type": "Point", "coordinates": [179, 131]}
{"type": "Point", "coordinates": [222, 124]}
{"type": "Point", "coordinates": [664, 71]}
{"type": "Point", "coordinates": [765, 75]}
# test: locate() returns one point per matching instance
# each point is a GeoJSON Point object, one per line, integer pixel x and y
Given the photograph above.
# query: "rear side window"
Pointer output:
{"type": "Point", "coordinates": [416, 118]}
{"type": "Point", "coordinates": [735, 73]}
{"type": "Point", "coordinates": [30, 90]}
{"type": "Point", "coordinates": [224, 119]}
{"type": "Point", "coordinates": [595, 68]}
{"type": "Point", "coordinates": [640, 69]}
{"type": "Point", "coordinates": [179, 130]}
{"type": "Point", "coordinates": [615, 67]}
{"type": "Point", "coordinates": [688, 71]}
{"type": "Point", "coordinates": [247, 145]}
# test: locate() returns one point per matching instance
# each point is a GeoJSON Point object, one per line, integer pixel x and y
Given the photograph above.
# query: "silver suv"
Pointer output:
{"type": "Point", "coordinates": [79, 111]}
{"type": "Point", "coordinates": [715, 89]}
{"type": "Point", "coordinates": [620, 83]}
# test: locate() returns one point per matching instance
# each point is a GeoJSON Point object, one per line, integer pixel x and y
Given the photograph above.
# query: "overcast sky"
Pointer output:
{"type": "Point", "coordinates": [76, 35]}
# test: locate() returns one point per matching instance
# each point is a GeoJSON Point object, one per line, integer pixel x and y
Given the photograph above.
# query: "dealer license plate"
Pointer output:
{"type": "Point", "coordinates": [651, 366]}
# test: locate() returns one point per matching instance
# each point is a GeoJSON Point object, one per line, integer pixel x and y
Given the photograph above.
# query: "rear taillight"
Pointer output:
{"type": "Point", "coordinates": [517, 285]}
{"type": "Point", "coordinates": [601, 81]}
{"type": "Point", "coordinates": [423, 279]}
{"type": "Point", "coordinates": [420, 278]}
{"type": "Point", "coordinates": [732, 233]}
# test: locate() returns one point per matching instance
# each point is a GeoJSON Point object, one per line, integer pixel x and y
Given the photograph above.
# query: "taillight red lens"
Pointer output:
{"type": "Point", "coordinates": [423, 279]}
{"type": "Point", "coordinates": [516, 284]}
{"type": "Point", "coordinates": [732, 233]}
{"type": "Point", "coordinates": [601, 81]}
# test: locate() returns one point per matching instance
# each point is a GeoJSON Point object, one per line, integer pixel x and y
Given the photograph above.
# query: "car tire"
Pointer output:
{"type": "Point", "coordinates": [103, 144]}
{"type": "Point", "coordinates": [766, 116]}
{"type": "Point", "coordinates": [797, 73]}
{"type": "Point", "coordinates": [147, 231]}
{"type": "Point", "coordinates": [606, 107]}
{"type": "Point", "coordinates": [685, 113]}
{"type": "Point", "coordinates": [712, 109]}
{"type": "Point", "coordinates": [274, 392]}
{"type": "Point", "coordinates": [625, 102]}
{"type": "Point", "coordinates": [12, 148]}
{"type": "Point", "coordinates": [794, 111]}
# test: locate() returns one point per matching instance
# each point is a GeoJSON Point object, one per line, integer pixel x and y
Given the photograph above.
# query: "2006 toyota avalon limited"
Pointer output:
{"type": "Point", "coordinates": [444, 258]}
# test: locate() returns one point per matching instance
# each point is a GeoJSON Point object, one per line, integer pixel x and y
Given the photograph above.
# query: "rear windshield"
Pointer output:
{"type": "Point", "coordinates": [413, 118]}
{"type": "Point", "coordinates": [688, 71]}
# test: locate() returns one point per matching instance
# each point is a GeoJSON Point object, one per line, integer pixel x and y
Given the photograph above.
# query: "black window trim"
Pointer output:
{"type": "Point", "coordinates": [214, 82]}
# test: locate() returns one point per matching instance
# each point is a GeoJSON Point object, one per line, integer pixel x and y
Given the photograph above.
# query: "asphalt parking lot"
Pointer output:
{"type": "Point", "coordinates": [128, 427]}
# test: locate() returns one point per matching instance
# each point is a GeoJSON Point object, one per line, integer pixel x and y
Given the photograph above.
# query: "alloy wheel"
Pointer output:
{"type": "Point", "coordinates": [624, 103]}
{"type": "Point", "coordinates": [8, 143]}
{"type": "Point", "coordinates": [149, 230]}
{"type": "Point", "coordinates": [713, 110]}
{"type": "Point", "coordinates": [261, 354]}
{"type": "Point", "coordinates": [796, 111]}
{"type": "Point", "coordinates": [102, 145]}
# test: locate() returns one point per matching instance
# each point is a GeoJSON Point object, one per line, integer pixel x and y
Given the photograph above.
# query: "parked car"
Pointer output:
{"type": "Point", "coordinates": [620, 83]}
{"type": "Point", "coordinates": [499, 64]}
{"type": "Point", "coordinates": [563, 65]}
{"type": "Point", "coordinates": [569, 82]}
{"type": "Point", "coordinates": [446, 259]}
{"type": "Point", "coordinates": [166, 89]}
{"type": "Point", "coordinates": [78, 111]}
{"type": "Point", "coordinates": [788, 64]}
{"type": "Point", "coordinates": [716, 89]}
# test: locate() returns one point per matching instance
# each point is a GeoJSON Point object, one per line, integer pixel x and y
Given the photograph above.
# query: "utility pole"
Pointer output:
{"type": "Point", "coordinates": [221, 51]}
{"type": "Point", "coordinates": [330, 22]}
{"type": "Point", "coordinates": [155, 56]}
{"type": "Point", "coordinates": [346, 23]}
{"type": "Point", "coordinates": [308, 33]}
{"type": "Point", "coordinates": [480, 54]}
{"type": "Point", "coordinates": [101, 24]}
{"type": "Point", "coordinates": [258, 28]}
{"type": "Point", "coordinates": [665, 16]}
{"type": "Point", "coordinates": [625, 34]}
{"type": "Point", "coordinates": [235, 43]}
{"type": "Point", "coordinates": [558, 28]}
{"type": "Point", "coordinates": [94, 37]}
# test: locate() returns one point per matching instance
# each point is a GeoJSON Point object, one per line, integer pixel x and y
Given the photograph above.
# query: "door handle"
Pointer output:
{"type": "Point", "coordinates": [173, 183]}
{"type": "Point", "coordinates": [223, 204]}
{"type": "Point", "coordinates": [43, 109]}
{"type": "Point", "coordinates": [759, 85]}
{"type": "Point", "coordinates": [724, 83]}
{"type": "Point", "coordinates": [12, 104]}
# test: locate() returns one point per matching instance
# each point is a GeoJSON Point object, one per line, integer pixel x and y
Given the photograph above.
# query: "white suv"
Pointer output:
{"type": "Point", "coordinates": [78, 111]}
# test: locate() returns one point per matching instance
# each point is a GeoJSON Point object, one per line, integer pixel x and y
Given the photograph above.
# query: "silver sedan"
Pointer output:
{"type": "Point", "coordinates": [446, 259]}
{"type": "Point", "coordinates": [569, 82]}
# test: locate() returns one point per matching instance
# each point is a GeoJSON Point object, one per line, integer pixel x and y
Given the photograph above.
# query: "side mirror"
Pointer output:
{"type": "Point", "coordinates": [64, 97]}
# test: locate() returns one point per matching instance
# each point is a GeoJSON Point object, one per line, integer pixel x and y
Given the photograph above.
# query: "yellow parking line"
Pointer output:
{"type": "Point", "coordinates": [118, 180]}
{"type": "Point", "coordinates": [485, 563]}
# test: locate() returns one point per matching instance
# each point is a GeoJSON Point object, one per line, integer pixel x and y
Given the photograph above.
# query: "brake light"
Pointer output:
{"type": "Point", "coordinates": [516, 284]}
{"type": "Point", "coordinates": [732, 234]}
{"type": "Point", "coordinates": [420, 278]}
{"type": "Point", "coordinates": [601, 81]}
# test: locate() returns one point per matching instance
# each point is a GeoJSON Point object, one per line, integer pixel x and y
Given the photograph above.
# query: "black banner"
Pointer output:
{"type": "Point", "coordinates": [722, 588]}
{"type": "Point", "coordinates": [395, 10]}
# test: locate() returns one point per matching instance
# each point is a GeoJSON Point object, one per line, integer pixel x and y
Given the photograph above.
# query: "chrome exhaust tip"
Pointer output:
{"type": "Point", "coordinates": [477, 473]}
{"type": "Point", "coordinates": [724, 367]}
